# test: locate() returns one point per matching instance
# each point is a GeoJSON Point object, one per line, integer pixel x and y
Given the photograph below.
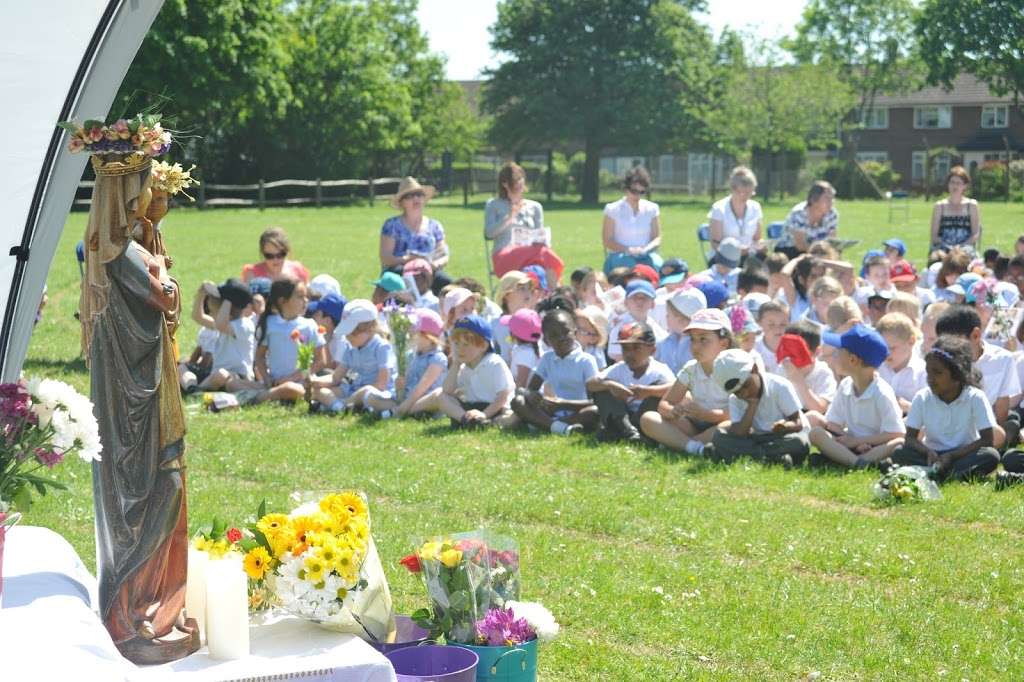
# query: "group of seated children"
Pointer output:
{"type": "Point", "coordinates": [764, 359]}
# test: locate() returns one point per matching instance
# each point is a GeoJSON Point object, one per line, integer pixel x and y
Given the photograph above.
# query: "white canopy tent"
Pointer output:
{"type": "Point", "coordinates": [59, 60]}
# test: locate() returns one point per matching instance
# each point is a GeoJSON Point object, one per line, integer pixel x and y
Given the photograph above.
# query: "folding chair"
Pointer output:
{"type": "Point", "coordinates": [775, 229]}
{"type": "Point", "coordinates": [704, 238]}
{"type": "Point", "coordinates": [489, 265]}
{"type": "Point", "coordinates": [80, 255]}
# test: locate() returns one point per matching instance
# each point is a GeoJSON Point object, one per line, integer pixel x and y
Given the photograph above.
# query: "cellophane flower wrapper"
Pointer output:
{"type": "Point", "coordinates": [503, 559]}
{"type": "Point", "coordinates": [345, 597]}
{"type": "Point", "coordinates": [907, 484]}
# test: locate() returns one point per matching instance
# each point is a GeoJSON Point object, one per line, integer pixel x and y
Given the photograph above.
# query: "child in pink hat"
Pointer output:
{"type": "Point", "coordinates": [420, 388]}
{"type": "Point", "coordinates": [524, 333]}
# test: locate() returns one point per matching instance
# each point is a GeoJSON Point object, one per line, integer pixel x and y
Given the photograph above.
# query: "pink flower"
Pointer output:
{"type": "Point", "coordinates": [77, 144]}
{"type": "Point", "coordinates": [50, 458]}
{"type": "Point", "coordinates": [95, 134]}
{"type": "Point", "coordinates": [121, 125]}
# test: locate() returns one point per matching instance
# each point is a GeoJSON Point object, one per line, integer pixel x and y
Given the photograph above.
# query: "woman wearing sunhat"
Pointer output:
{"type": "Point", "coordinates": [413, 235]}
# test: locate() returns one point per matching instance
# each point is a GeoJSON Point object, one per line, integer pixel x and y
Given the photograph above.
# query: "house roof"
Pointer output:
{"type": "Point", "coordinates": [472, 91]}
{"type": "Point", "coordinates": [967, 90]}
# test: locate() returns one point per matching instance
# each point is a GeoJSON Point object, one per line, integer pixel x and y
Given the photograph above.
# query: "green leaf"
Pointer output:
{"type": "Point", "coordinates": [248, 544]}
{"type": "Point", "coordinates": [22, 499]}
{"type": "Point", "coordinates": [262, 511]}
{"type": "Point", "coordinates": [69, 126]}
{"type": "Point", "coordinates": [459, 600]}
{"type": "Point", "coordinates": [219, 526]}
{"type": "Point", "coordinates": [92, 123]}
{"type": "Point", "coordinates": [262, 539]}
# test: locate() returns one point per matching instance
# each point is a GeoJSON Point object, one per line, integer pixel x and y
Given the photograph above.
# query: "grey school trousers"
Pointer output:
{"type": "Point", "coordinates": [976, 465]}
{"type": "Point", "coordinates": [767, 447]}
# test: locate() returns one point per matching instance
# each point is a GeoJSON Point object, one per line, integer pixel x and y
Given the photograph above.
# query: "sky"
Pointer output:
{"type": "Point", "coordinates": [458, 28]}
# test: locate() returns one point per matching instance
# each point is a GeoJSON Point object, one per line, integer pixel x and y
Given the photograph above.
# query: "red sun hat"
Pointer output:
{"type": "Point", "coordinates": [648, 273]}
{"type": "Point", "coordinates": [902, 271]}
{"type": "Point", "coordinates": [794, 347]}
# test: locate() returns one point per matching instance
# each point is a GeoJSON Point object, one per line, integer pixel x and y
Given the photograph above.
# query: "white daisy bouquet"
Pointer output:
{"type": "Point", "coordinates": [320, 563]}
{"type": "Point", "coordinates": [43, 421]}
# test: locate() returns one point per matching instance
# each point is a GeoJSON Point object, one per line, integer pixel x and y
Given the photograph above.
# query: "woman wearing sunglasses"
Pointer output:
{"type": "Point", "coordinates": [275, 265]}
{"type": "Point", "coordinates": [413, 235]}
{"type": "Point", "coordinates": [632, 226]}
{"type": "Point", "coordinates": [738, 215]}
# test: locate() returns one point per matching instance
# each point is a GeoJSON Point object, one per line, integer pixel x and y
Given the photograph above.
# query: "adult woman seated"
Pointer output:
{"type": "Point", "coordinates": [810, 221]}
{"type": "Point", "coordinates": [413, 235]}
{"type": "Point", "coordinates": [738, 215]}
{"type": "Point", "coordinates": [509, 213]}
{"type": "Point", "coordinates": [956, 220]}
{"type": "Point", "coordinates": [275, 249]}
{"type": "Point", "coordinates": [632, 226]}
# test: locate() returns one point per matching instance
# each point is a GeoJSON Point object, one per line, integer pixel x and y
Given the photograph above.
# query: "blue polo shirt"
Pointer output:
{"type": "Point", "coordinates": [567, 376]}
{"type": "Point", "coordinates": [363, 363]}
{"type": "Point", "coordinates": [674, 350]}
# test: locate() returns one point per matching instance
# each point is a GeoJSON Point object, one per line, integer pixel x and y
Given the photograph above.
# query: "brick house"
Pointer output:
{"type": "Point", "coordinates": [979, 125]}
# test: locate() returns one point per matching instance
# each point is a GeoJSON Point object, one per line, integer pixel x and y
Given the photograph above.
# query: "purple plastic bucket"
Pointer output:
{"type": "Point", "coordinates": [407, 633]}
{"type": "Point", "coordinates": [432, 663]}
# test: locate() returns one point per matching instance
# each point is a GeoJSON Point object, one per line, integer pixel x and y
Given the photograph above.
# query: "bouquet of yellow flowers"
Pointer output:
{"type": "Point", "coordinates": [320, 563]}
{"type": "Point", "coordinates": [172, 178]}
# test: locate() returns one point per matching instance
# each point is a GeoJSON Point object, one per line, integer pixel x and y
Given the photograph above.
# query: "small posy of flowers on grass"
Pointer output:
{"type": "Point", "coordinates": [305, 348]}
{"type": "Point", "coordinates": [42, 421]}
{"type": "Point", "coordinates": [141, 134]}
{"type": "Point", "coordinates": [309, 562]}
{"type": "Point", "coordinates": [906, 484]}
{"type": "Point", "coordinates": [172, 178]}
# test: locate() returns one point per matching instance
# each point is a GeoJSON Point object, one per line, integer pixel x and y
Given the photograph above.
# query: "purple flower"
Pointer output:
{"type": "Point", "coordinates": [50, 458]}
{"type": "Point", "coordinates": [500, 627]}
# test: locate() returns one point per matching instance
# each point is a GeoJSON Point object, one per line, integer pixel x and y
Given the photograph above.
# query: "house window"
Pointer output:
{"type": "Point", "coordinates": [940, 166]}
{"type": "Point", "coordinates": [665, 168]}
{"type": "Point", "coordinates": [933, 117]}
{"type": "Point", "coordinates": [877, 157]}
{"type": "Point", "coordinates": [994, 116]}
{"type": "Point", "coordinates": [875, 119]}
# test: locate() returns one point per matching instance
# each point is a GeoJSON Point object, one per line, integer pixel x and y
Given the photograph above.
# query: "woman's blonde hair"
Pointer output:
{"type": "Point", "coordinates": [905, 303]}
{"type": "Point", "coordinates": [899, 325]}
{"type": "Point", "coordinates": [742, 176]}
{"type": "Point", "coordinates": [826, 286]}
{"type": "Point", "coordinates": [841, 311]}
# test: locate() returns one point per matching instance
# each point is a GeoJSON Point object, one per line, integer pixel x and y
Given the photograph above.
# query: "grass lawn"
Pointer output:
{"type": "Point", "coordinates": [658, 567]}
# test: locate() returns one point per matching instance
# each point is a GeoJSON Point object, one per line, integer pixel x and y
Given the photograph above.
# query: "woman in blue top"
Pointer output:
{"type": "Point", "coordinates": [413, 235]}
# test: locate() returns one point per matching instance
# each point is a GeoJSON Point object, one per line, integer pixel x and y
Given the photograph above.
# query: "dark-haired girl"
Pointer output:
{"type": "Point", "coordinates": [954, 414]}
{"type": "Point", "coordinates": [279, 333]}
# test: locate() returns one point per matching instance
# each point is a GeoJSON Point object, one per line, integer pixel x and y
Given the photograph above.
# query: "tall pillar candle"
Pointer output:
{"type": "Point", "coordinates": [195, 588]}
{"type": "Point", "coordinates": [227, 608]}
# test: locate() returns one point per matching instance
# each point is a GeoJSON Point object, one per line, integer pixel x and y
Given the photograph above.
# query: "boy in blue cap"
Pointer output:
{"type": "Point", "coordinates": [640, 301]}
{"type": "Point", "coordinates": [895, 249]}
{"type": "Point", "coordinates": [478, 388]}
{"type": "Point", "coordinates": [326, 312]}
{"type": "Point", "coordinates": [864, 423]}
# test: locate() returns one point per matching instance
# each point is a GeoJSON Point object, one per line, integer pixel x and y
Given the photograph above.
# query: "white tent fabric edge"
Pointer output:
{"type": "Point", "coordinates": [65, 59]}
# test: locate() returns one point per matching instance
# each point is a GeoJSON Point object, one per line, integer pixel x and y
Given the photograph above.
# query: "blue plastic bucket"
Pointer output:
{"type": "Point", "coordinates": [407, 633]}
{"type": "Point", "coordinates": [431, 663]}
{"type": "Point", "coordinates": [506, 663]}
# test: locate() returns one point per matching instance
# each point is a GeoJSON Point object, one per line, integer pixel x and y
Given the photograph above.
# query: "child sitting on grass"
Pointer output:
{"type": "Point", "coordinates": [424, 374]}
{"type": "Point", "coordinates": [954, 414]}
{"type": "Point", "coordinates": [902, 370]}
{"type": "Point", "coordinates": [524, 331]}
{"type": "Point", "coordinates": [813, 379]}
{"type": "Point", "coordinates": [765, 421]}
{"type": "Point", "coordinates": [367, 365]}
{"type": "Point", "coordinates": [674, 349]}
{"type": "Point", "coordinates": [592, 333]}
{"type": "Point", "coordinates": [695, 406]}
{"type": "Point", "coordinates": [280, 330]}
{"type": "Point", "coordinates": [639, 303]}
{"type": "Point", "coordinates": [627, 389]}
{"type": "Point", "coordinates": [326, 312]}
{"type": "Point", "coordinates": [565, 369]}
{"type": "Point", "coordinates": [864, 423]}
{"type": "Point", "coordinates": [772, 317]}
{"type": "Point", "coordinates": [236, 335]}
{"type": "Point", "coordinates": [479, 387]}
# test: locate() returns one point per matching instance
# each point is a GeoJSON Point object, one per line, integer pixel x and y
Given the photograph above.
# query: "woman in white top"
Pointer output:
{"type": "Point", "coordinates": [738, 215]}
{"type": "Point", "coordinates": [632, 226]}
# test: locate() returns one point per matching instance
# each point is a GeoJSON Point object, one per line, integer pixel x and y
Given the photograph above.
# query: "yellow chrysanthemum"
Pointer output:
{"type": "Point", "coordinates": [218, 549]}
{"type": "Point", "coordinates": [328, 553]}
{"type": "Point", "coordinates": [338, 506]}
{"type": "Point", "coordinates": [301, 526]}
{"type": "Point", "coordinates": [361, 530]}
{"type": "Point", "coordinates": [201, 543]}
{"type": "Point", "coordinates": [314, 567]}
{"type": "Point", "coordinates": [277, 528]}
{"type": "Point", "coordinates": [257, 563]}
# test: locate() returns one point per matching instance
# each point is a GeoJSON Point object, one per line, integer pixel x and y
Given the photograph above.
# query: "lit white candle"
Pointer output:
{"type": "Point", "coordinates": [227, 608]}
{"type": "Point", "coordinates": [195, 588]}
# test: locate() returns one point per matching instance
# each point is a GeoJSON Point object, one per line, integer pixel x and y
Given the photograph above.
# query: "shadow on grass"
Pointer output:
{"type": "Point", "coordinates": [76, 365]}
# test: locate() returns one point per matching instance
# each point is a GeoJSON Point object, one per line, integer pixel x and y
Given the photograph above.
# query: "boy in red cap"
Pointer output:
{"type": "Point", "coordinates": [812, 378]}
{"type": "Point", "coordinates": [903, 276]}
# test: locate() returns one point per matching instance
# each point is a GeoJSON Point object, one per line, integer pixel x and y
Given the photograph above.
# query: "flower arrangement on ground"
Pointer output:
{"type": "Point", "coordinates": [320, 563]}
{"type": "Point", "coordinates": [44, 421]}
{"type": "Point", "coordinates": [465, 575]}
{"type": "Point", "coordinates": [516, 623]}
{"type": "Point", "coordinates": [907, 484]}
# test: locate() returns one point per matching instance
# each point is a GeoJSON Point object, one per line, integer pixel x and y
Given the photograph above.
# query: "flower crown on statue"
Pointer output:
{"type": "Point", "coordinates": [132, 142]}
{"type": "Point", "coordinates": [172, 179]}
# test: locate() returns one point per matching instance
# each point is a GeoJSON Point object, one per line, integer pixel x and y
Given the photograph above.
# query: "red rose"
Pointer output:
{"type": "Point", "coordinates": [234, 535]}
{"type": "Point", "coordinates": [412, 562]}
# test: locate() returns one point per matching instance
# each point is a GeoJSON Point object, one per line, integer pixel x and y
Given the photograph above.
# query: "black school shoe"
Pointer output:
{"type": "Point", "coordinates": [628, 431]}
{"type": "Point", "coordinates": [1008, 479]}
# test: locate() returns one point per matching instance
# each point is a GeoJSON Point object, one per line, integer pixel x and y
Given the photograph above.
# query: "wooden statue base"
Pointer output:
{"type": "Point", "coordinates": [176, 644]}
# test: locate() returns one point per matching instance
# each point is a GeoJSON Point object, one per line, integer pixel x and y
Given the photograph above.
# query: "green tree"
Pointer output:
{"type": "Point", "coordinates": [220, 63]}
{"type": "Point", "coordinates": [771, 110]}
{"type": "Point", "coordinates": [983, 37]}
{"type": "Point", "coordinates": [598, 73]}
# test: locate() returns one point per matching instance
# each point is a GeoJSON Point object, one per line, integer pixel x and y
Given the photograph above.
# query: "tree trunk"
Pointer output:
{"type": "Point", "coordinates": [589, 188]}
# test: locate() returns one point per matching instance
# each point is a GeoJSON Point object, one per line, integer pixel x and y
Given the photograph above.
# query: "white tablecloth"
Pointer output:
{"type": "Point", "coordinates": [48, 631]}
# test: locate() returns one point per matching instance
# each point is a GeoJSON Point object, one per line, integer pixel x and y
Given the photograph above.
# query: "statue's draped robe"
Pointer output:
{"type": "Point", "coordinates": [138, 486]}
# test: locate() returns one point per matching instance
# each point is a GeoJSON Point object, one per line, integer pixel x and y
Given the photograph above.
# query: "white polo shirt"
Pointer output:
{"type": "Point", "coordinates": [950, 425]}
{"type": "Point", "coordinates": [778, 401]}
{"type": "Point", "coordinates": [822, 381]}
{"type": "Point", "coordinates": [998, 373]}
{"type": "Point", "coordinates": [906, 382]}
{"type": "Point", "coordinates": [632, 229]}
{"type": "Point", "coordinates": [656, 374]}
{"type": "Point", "coordinates": [705, 391]}
{"type": "Point", "coordinates": [483, 383]}
{"type": "Point", "coordinates": [742, 228]}
{"type": "Point", "coordinates": [872, 412]}
{"type": "Point", "coordinates": [768, 355]}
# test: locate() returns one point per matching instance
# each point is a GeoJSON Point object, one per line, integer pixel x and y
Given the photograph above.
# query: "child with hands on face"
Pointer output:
{"type": "Point", "coordinates": [688, 415]}
{"type": "Point", "coordinates": [566, 369]}
{"type": "Point", "coordinates": [233, 353]}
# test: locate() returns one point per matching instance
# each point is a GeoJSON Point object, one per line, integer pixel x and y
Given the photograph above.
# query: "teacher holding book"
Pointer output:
{"type": "Point", "coordinates": [516, 225]}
